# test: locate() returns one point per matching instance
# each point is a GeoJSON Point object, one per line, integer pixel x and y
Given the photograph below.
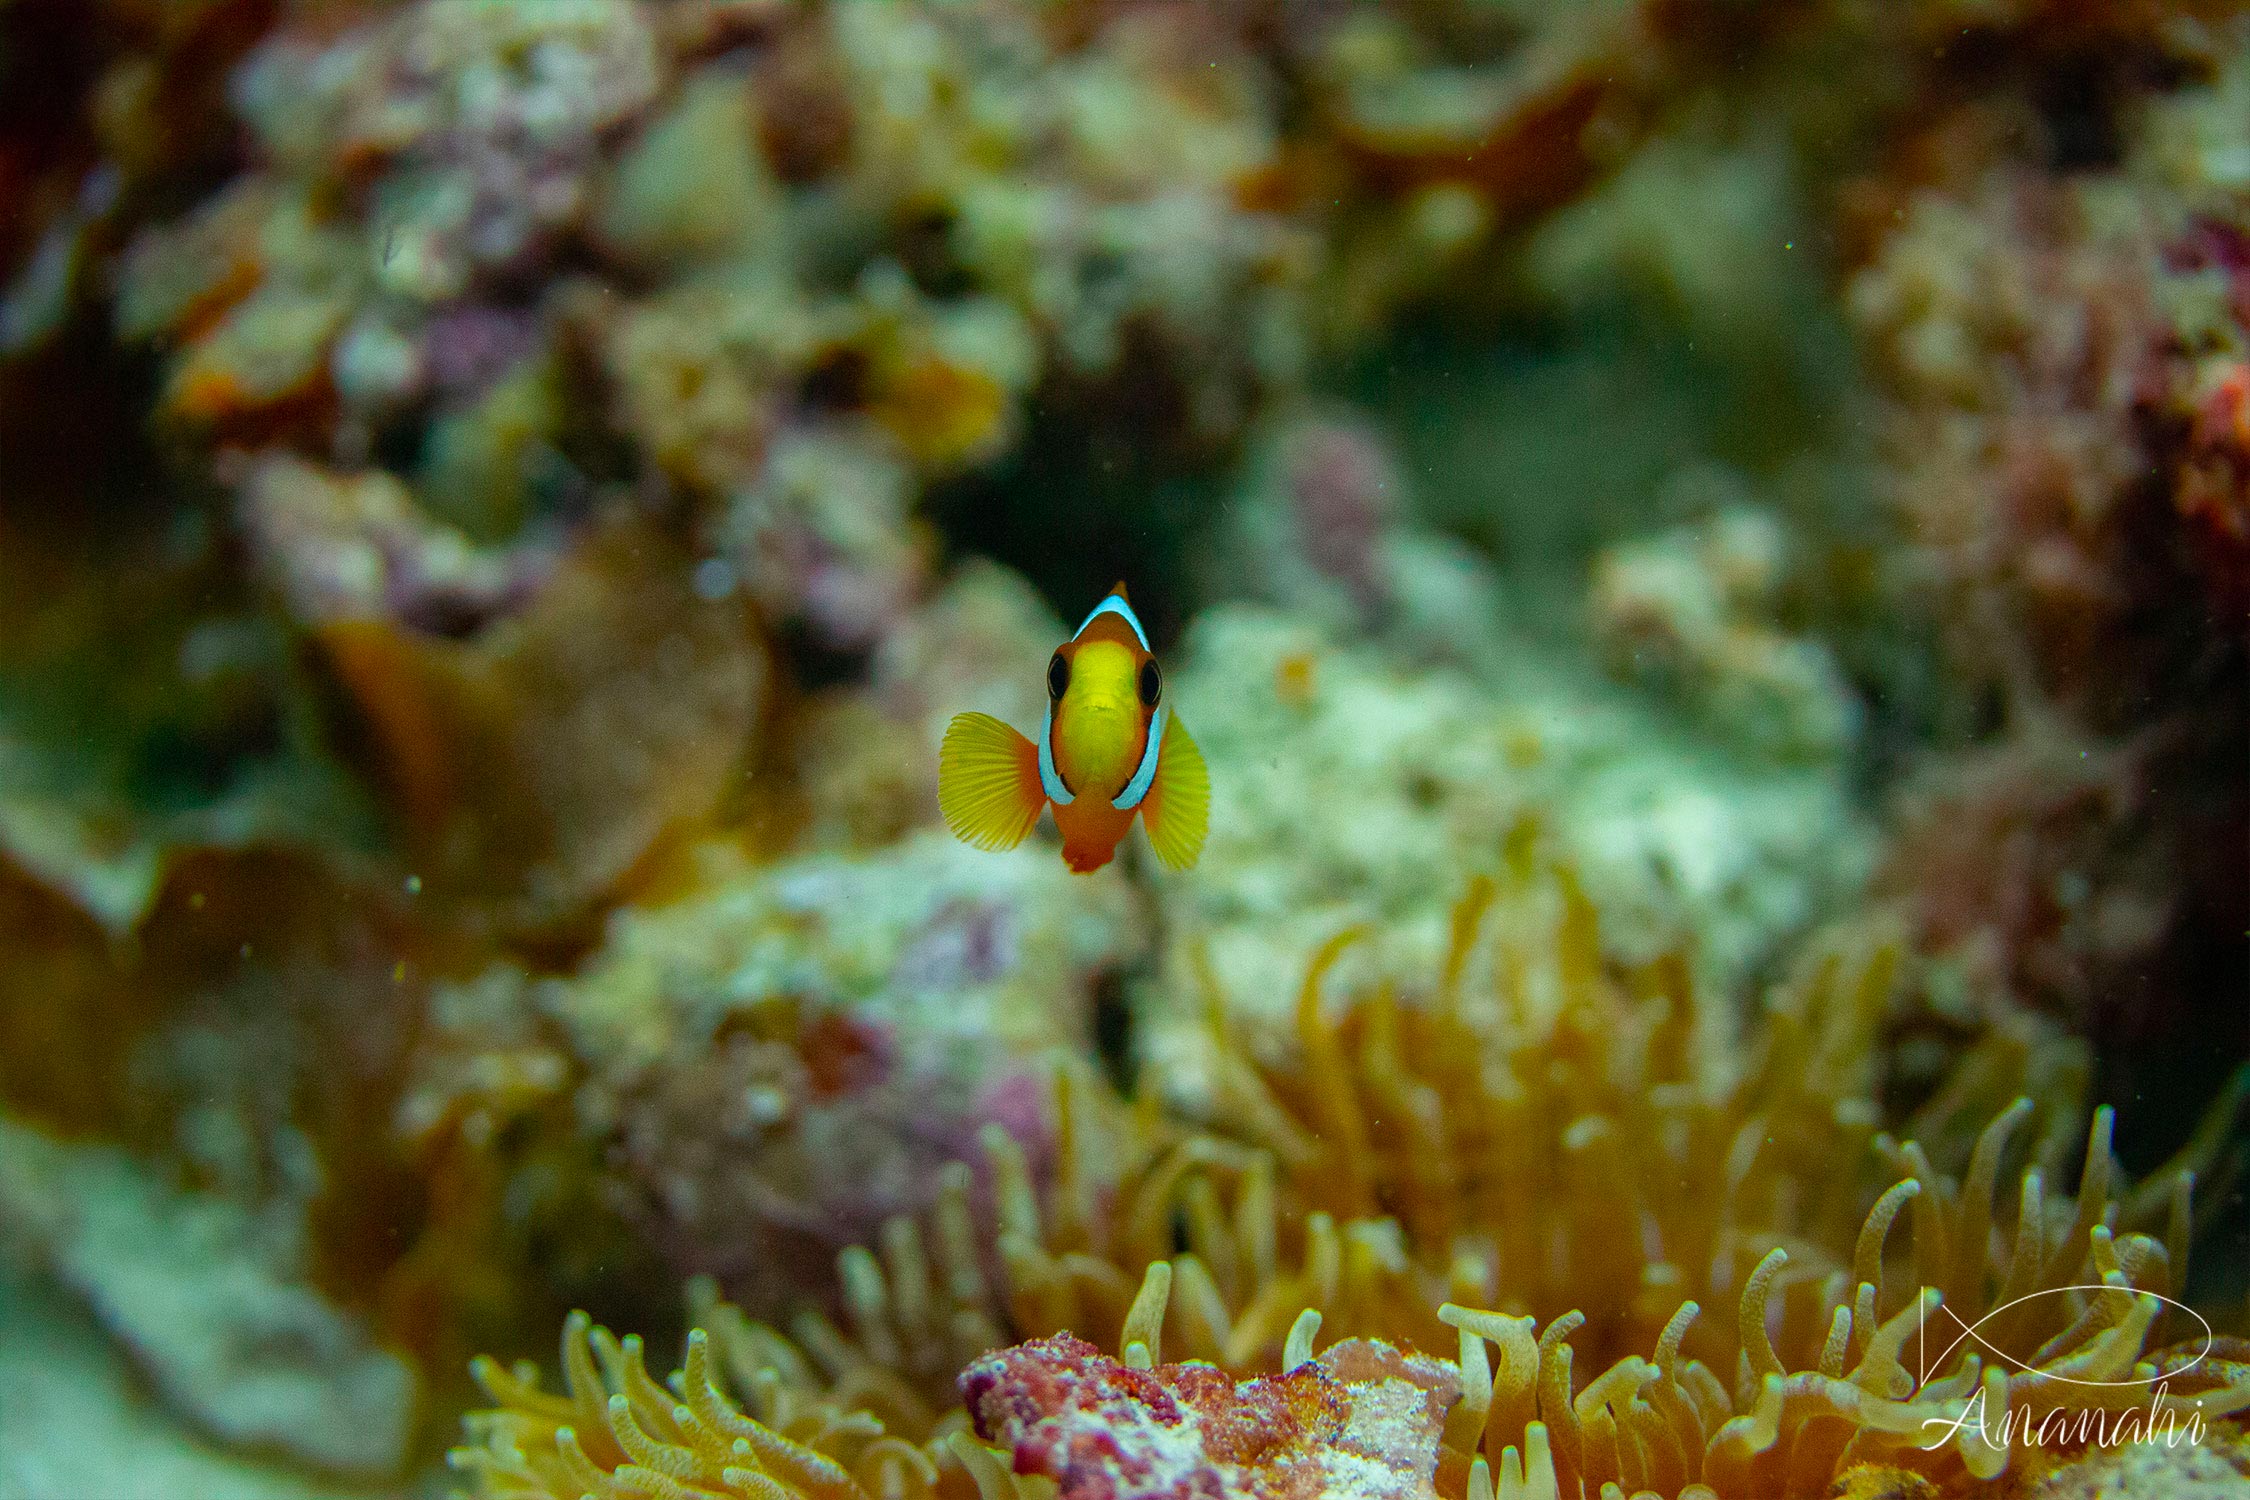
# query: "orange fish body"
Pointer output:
{"type": "Point", "coordinates": [1111, 750]}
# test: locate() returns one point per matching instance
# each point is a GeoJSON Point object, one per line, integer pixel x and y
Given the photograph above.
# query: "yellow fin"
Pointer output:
{"type": "Point", "coordinates": [988, 782]}
{"type": "Point", "coordinates": [1177, 810]}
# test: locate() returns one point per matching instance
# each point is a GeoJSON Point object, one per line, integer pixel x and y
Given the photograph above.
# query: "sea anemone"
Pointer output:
{"type": "Point", "coordinates": [1542, 1160]}
{"type": "Point", "coordinates": [617, 1433]}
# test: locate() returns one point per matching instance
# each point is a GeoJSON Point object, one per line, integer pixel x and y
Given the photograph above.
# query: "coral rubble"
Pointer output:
{"type": "Point", "coordinates": [1355, 791]}
{"type": "Point", "coordinates": [1685, 608]}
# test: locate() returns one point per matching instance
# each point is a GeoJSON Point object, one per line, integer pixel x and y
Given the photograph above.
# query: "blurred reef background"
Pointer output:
{"type": "Point", "coordinates": [1706, 544]}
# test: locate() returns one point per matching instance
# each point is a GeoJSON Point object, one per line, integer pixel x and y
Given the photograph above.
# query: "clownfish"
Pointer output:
{"type": "Point", "coordinates": [1110, 747]}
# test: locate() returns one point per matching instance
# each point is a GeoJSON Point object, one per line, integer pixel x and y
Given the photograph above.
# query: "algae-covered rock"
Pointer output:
{"type": "Point", "coordinates": [821, 536]}
{"type": "Point", "coordinates": [78, 1423]}
{"type": "Point", "coordinates": [209, 1299]}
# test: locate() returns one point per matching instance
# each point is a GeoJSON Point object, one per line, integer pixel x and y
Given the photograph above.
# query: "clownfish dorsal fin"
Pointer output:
{"type": "Point", "coordinates": [1115, 603]}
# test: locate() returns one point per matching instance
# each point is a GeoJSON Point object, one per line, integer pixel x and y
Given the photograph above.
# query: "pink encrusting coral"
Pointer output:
{"type": "Point", "coordinates": [1362, 1420]}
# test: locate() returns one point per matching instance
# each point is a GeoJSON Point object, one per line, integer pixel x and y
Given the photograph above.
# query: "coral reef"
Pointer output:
{"type": "Point", "coordinates": [109, 106]}
{"type": "Point", "coordinates": [1707, 547]}
{"type": "Point", "coordinates": [852, 242]}
{"type": "Point", "coordinates": [795, 264]}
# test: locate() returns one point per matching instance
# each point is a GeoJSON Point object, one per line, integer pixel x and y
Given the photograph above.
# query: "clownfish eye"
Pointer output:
{"type": "Point", "coordinates": [1151, 684]}
{"type": "Point", "coordinates": [1058, 676]}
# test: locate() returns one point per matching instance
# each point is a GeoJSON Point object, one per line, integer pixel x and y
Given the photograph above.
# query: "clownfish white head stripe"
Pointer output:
{"type": "Point", "coordinates": [1109, 749]}
{"type": "Point", "coordinates": [1050, 780]}
{"type": "Point", "coordinates": [1114, 604]}
{"type": "Point", "coordinates": [1144, 776]}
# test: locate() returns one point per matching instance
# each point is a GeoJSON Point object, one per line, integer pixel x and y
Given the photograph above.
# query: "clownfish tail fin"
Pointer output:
{"type": "Point", "coordinates": [988, 782]}
{"type": "Point", "coordinates": [1177, 810]}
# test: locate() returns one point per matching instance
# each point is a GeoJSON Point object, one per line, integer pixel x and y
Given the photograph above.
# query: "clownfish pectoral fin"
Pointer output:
{"type": "Point", "coordinates": [988, 782]}
{"type": "Point", "coordinates": [1177, 810]}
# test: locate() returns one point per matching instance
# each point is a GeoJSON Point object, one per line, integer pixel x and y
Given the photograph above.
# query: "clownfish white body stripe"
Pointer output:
{"type": "Point", "coordinates": [1110, 748]}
